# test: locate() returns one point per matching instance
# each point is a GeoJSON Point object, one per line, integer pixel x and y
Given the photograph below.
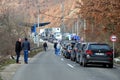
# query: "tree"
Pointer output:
{"type": "Point", "coordinates": [103, 15]}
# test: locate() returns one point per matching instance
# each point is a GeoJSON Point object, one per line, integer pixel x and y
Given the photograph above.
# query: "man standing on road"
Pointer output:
{"type": "Point", "coordinates": [58, 48]}
{"type": "Point", "coordinates": [18, 49]}
{"type": "Point", "coordinates": [45, 46]}
{"type": "Point", "coordinates": [55, 47]}
{"type": "Point", "coordinates": [26, 49]}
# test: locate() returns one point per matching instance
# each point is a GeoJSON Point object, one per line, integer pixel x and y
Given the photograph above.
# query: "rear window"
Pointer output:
{"type": "Point", "coordinates": [78, 45]}
{"type": "Point", "coordinates": [99, 47]}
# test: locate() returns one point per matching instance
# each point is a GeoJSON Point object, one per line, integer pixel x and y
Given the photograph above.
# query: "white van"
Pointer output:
{"type": "Point", "coordinates": [58, 36]}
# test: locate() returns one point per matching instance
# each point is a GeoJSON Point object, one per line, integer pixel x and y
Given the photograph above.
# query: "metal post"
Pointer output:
{"type": "Point", "coordinates": [77, 27]}
{"type": "Point", "coordinates": [38, 31]}
{"type": "Point", "coordinates": [113, 50]}
{"type": "Point", "coordinates": [38, 25]}
{"type": "Point", "coordinates": [84, 30]}
{"type": "Point", "coordinates": [63, 26]}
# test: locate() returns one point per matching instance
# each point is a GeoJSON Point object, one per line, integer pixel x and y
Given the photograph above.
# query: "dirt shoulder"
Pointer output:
{"type": "Point", "coordinates": [10, 70]}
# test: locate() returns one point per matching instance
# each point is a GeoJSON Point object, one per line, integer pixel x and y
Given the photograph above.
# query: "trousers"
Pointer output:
{"type": "Point", "coordinates": [26, 56]}
{"type": "Point", "coordinates": [18, 56]}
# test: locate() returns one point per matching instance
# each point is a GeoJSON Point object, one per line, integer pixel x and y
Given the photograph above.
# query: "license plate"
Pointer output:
{"type": "Point", "coordinates": [101, 54]}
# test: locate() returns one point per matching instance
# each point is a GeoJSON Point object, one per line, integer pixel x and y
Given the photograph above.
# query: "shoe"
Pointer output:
{"type": "Point", "coordinates": [26, 62]}
{"type": "Point", "coordinates": [18, 62]}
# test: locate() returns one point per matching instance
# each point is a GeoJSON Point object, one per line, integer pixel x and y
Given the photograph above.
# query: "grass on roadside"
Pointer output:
{"type": "Point", "coordinates": [34, 52]}
{"type": "Point", "coordinates": [6, 62]}
{"type": "Point", "coordinates": [1, 78]}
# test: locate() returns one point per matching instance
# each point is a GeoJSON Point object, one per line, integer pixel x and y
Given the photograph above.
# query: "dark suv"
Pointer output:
{"type": "Point", "coordinates": [95, 53]}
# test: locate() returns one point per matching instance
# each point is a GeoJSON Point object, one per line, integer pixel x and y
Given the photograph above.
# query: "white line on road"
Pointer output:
{"type": "Point", "coordinates": [70, 65]}
{"type": "Point", "coordinates": [62, 59]}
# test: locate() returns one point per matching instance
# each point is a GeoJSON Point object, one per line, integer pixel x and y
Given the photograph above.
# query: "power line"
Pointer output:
{"type": "Point", "coordinates": [56, 16]}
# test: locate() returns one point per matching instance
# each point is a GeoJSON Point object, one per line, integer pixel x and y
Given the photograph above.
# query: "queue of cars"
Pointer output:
{"type": "Point", "coordinates": [88, 53]}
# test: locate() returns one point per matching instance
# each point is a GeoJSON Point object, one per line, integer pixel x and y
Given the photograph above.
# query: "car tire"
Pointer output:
{"type": "Point", "coordinates": [110, 65]}
{"type": "Point", "coordinates": [104, 65]}
{"type": "Point", "coordinates": [84, 63]}
{"type": "Point", "coordinates": [71, 59]}
{"type": "Point", "coordinates": [80, 60]}
{"type": "Point", "coordinates": [80, 63]}
{"type": "Point", "coordinates": [76, 60]}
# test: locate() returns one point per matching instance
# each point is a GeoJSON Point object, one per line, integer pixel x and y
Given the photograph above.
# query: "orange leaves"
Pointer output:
{"type": "Point", "coordinates": [103, 11]}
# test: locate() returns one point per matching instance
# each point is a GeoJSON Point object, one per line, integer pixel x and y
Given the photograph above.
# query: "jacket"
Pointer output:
{"type": "Point", "coordinates": [18, 47]}
{"type": "Point", "coordinates": [55, 45]}
{"type": "Point", "coordinates": [45, 45]}
{"type": "Point", "coordinates": [26, 45]}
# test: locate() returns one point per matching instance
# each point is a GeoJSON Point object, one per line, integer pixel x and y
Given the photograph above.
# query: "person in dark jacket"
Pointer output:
{"type": "Point", "coordinates": [45, 46]}
{"type": "Point", "coordinates": [26, 49]}
{"type": "Point", "coordinates": [55, 47]}
{"type": "Point", "coordinates": [18, 49]}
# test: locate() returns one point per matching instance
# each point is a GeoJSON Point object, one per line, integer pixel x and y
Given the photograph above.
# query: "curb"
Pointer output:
{"type": "Point", "coordinates": [117, 62]}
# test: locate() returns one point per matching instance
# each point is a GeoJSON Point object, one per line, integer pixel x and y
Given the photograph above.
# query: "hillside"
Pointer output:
{"type": "Point", "coordinates": [50, 10]}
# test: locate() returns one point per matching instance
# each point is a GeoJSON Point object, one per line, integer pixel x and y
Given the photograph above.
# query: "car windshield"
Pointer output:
{"type": "Point", "coordinates": [99, 47]}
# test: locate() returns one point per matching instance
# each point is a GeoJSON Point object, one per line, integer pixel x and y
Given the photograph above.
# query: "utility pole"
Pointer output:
{"type": "Point", "coordinates": [62, 17]}
{"type": "Point", "coordinates": [84, 30]}
{"type": "Point", "coordinates": [77, 26]}
{"type": "Point", "coordinates": [38, 36]}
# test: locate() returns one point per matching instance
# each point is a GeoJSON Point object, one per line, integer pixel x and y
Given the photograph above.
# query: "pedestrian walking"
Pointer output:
{"type": "Point", "coordinates": [18, 49]}
{"type": "Point", "coordinates": [45, 46]}
{"type": "Point", "coordinates": [55, 47]}
{"type": "Point", "coordinates": [58, 48]}
{"type": "Point", "coordinates": [26, 49]}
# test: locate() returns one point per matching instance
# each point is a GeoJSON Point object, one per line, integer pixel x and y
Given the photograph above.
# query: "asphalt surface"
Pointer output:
{"type": "Point", "coordinates": [48, 66]}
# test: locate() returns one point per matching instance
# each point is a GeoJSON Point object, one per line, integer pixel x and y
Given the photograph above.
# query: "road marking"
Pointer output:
{"type": "Point", "coordinates": [70, 65]}
{"type": "Point", "coordinates": [62, 59]}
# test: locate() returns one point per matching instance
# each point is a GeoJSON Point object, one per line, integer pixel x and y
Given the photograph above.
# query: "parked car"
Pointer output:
{"type": "Point", "coordinates": [68, 51]}
{"type": "Point", "coordinates": [78, 49]}
{"type": "Point", "coordinates": [64, 45]}
{"type": "Point", "coordinates": [50, 39]}
{"type": "Point", "coordinates": [97, 53]}
{"type": "Point", "coordinates": [73, 52]}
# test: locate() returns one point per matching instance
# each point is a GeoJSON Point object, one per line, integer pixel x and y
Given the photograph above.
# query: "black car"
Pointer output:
{"type": "Point", "coordinates": [95, 53]}
{"type": "Point", "coordinates": [68, 51]}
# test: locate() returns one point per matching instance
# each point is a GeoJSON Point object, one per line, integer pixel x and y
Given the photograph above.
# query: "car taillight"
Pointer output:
{"type": "Point", "coordinates": [109, 53]}
{"type": "Point", "coordinates": [89, 52]}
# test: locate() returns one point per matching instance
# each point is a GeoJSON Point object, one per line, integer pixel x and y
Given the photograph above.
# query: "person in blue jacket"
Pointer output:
{"type": "Point", "coordinates": [26, 49]}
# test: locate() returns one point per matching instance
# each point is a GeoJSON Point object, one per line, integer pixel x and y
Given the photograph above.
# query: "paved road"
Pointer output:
{"type": "Point", "coordinates": [47, 66]}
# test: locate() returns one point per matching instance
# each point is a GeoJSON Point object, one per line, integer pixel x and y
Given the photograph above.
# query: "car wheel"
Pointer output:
{"type": "Point", "coordinates": [104, 65]}
{"type": "Point", "coordinates": [110, 65]}
{"type": "Point", "coordinates": [84, 63]}
{"type": "Point", "coordinates": [71, 59]}
{"type": "Point", "coordinates": [81, 62]}
{"type": "Point", "coordinates": [76, 60]}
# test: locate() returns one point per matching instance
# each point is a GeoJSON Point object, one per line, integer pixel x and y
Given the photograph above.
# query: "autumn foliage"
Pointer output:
{"type": "Point", "coordinates": [103, 17]}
